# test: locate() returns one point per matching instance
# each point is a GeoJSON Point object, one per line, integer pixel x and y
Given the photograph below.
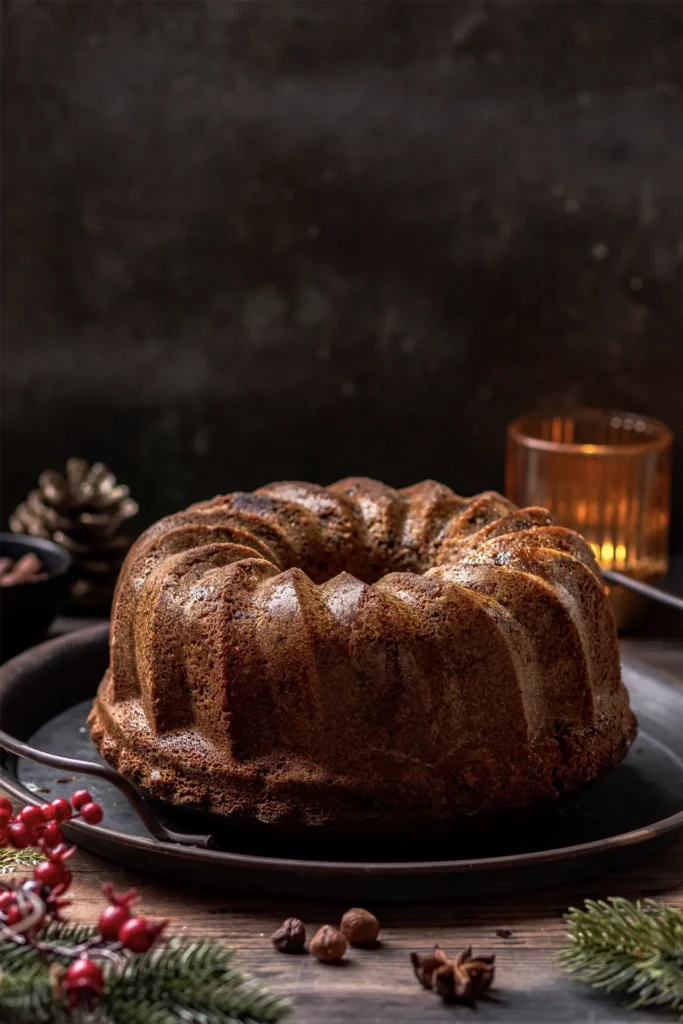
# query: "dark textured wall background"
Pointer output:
{"type": "Point", "coordinates": [255, 240]}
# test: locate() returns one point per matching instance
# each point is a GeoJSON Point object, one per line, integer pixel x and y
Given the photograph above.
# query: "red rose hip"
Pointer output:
{"type": "Point", "coordinates": [80, 797]}
{"type": "Point", "coordinates": [51, 873]}
{"type": "Point", "coordinates": [14, 916]}
{"type": "Point", "coordinates": [31, 816]}
{"type": "Point", "coordinates": [61, 809]}
{"type": "Point", "coordinates": [52, 835]}
{"type": "Point", "coordinates": [92, 813]}
{"type": "Point", "coordinates": [19, 836]}
{"type": "Point", "coordinates": [83, 983]}
{"type": "Point", "coordinates": [111, 921]}
{"type": "Point", "coordinates": [139, 935]}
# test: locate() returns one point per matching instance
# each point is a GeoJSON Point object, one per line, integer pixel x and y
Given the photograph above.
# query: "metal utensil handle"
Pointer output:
{"type": "Point", "coordinates": [107, 774]}
{"type": "Point", "coordinates": [644, 589]}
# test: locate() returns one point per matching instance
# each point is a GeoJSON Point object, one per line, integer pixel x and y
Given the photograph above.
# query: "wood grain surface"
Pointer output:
{"type": "Point", "coordinates": [378, 985]}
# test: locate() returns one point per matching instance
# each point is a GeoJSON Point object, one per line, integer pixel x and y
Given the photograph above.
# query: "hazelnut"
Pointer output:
{"type": "Point", "coordinates": [290, 936]}
{"type": "Point", "coordinates": [328, 944]}
{"type": "Point", "coordinates": [359, 926]}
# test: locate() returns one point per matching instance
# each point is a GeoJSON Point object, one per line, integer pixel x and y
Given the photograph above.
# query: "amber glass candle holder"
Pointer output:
{"type": "Point", "coordinates": [606, 475]}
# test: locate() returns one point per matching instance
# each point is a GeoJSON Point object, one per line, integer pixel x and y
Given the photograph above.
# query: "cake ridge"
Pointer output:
{"type": "Point", "coordinates": [359, 653]}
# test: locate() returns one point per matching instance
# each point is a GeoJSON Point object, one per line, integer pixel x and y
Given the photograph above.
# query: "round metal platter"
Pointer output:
{"type": "Point", "coordinates": [45, 695]}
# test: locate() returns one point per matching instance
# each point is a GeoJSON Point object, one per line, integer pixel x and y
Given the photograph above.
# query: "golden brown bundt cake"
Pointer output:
{"type": "Point", "coordinates": [331, 656]}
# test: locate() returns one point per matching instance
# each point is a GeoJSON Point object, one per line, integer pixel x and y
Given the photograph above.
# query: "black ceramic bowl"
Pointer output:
{"type": "Point", "coordinates": [27, 609]}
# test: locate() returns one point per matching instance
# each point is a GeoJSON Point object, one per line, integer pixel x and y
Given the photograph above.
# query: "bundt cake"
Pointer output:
{"type": "Point", "coordinates": [343, 655]}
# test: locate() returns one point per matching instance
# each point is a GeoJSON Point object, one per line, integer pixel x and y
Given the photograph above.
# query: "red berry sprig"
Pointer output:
{"type": "Point", "coordinates": [52, 871]}
{"type": "Point", "coordinates": [116, 922]}
{"type": "Point", "coordinates": [117, 913]}
{"type": "Point", "coordinates": [139, 935]}
{"type": "Point", "coordinates": [40, 826]}
{"type": "Point", "coordinates": [24, 908]}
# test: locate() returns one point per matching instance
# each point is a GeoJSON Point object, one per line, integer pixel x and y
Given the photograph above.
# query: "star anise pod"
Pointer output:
{"type": "Point", "coordinates": [459, 979]}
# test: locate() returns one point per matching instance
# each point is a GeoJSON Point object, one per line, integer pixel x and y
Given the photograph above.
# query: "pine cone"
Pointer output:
{"type": "Point", "coordinates": [81, 510]}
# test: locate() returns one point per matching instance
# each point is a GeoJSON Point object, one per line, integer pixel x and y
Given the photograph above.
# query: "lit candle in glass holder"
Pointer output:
{"type": "Point", "coordinates": [606, 475]}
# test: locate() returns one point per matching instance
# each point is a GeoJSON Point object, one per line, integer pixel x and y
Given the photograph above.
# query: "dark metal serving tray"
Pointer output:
{"type": "Point", "coordinates": [45, 695]}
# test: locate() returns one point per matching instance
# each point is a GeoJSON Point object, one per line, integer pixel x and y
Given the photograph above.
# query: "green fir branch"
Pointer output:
{"type": "Point", "coordinates": [178, 983]}
{"type": "Point", "coordinates": [188, 981]}
{"type": "Point", "coordinates": [634, 948]}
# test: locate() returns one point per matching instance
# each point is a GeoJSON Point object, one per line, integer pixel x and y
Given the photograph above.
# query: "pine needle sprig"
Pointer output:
{"type": "Point", "coordinates": [634, 948]}
{"type": "Point", "coordinates": [13, 860]}
{"type": "Point", "coordinates": [181, 982]}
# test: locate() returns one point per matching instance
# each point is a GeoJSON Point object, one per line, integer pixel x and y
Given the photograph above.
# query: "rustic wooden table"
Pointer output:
{"type": "Point", "coordinates": [378, 985]}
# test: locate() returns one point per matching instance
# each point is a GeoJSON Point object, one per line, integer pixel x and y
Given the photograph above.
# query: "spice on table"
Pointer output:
{"type": "Point", "coordinates": [27, 569]}
{"type": "Point", "coordinates": [359, 926]}
{"type": "Point", "coordinates": [459, 979]}
{"type": "Point", "coordinates": [290, 936]}
{"type": "Point", "coordinates": [328, 944]}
